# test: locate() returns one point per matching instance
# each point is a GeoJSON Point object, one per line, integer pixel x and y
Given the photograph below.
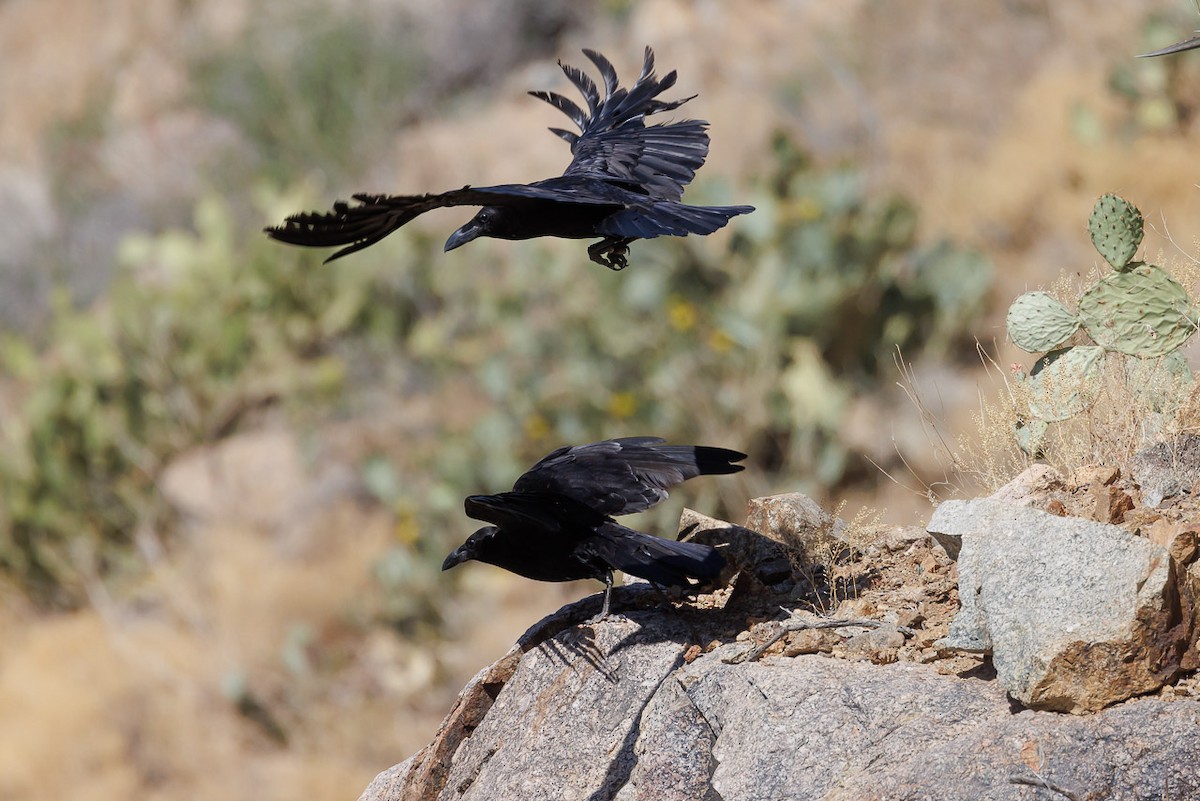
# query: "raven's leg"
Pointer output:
{"type": "Point", "coordinates": [611, 251]}
{"type": "Point", "coordinates": [608, 586]}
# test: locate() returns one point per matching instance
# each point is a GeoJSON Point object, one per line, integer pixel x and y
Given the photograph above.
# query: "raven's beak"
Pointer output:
{"type": "Point", "coordinates": [462, 236]}
{"type": "Point", "coordinates": [456, 557]}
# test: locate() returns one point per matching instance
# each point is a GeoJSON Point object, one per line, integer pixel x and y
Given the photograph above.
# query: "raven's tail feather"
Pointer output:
{"type": "Point", "coordinates": [717, 461]}
{"type": "Point", "coordinates": [357, 226]}
{"type": "Point", "coordinates": [664, 562]}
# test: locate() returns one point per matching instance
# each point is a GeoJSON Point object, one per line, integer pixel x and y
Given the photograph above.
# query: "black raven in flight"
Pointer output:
{"type": "Point", "coordinates": [624, 183]}
{"type": "Point", "coordinates": [556, 524]}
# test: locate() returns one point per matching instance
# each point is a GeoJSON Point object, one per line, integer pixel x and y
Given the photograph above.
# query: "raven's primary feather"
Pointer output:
{"type": "Point", "coordinates": [625, 181]}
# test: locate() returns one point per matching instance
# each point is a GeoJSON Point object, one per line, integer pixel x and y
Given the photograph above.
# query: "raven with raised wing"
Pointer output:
{"type": "Point", "coordinates": [557, 522]}
{"type": "Point", "coordinates": [624, 183]}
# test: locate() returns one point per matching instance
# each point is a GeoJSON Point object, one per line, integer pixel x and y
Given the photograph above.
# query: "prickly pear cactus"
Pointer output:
{"type": "Point", "coordinates": [1142, 312]}
{"type": "Point", "coordinates": [1116, 229]}
{"type": "Point", "coordinates": [1037, 322]}
{"type": "Point", "coordinates": [1137, 311]}
{"type": "Point", "coordinates": [1065, 382]}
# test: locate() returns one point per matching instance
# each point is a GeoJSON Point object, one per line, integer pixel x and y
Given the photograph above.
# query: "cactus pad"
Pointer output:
{"type": "Point", "coordinates": [1142, 312]}
{"type": "Point", "coordinates": [1037, 322]}
{"type": "Point", "coordinates": [1116, 229]}
{"type": "Point", "coordinates": [1030, 437]}
{"type": "Point", "coordinates": [1064, 382]}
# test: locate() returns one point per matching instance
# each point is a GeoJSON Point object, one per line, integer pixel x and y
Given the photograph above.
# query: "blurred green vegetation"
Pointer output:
{"type": "Point", "coordinates": [758, 340]}
{"type": "Point", "coordinates": [199, 330]}
{"type": "Point", "coordinates": [312, 89]}
{"type": "Point", "coordinates": [1160, 93]}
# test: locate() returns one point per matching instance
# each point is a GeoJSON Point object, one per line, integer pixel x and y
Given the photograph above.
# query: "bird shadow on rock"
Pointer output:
{"type": "Point", "coordinates": [576, 647]}
{"type": "Point", "coordinates": [571, 636]}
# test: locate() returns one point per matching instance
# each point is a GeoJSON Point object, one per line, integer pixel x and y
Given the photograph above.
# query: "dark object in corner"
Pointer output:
{"type": "Point", "coordinates": [1178, 47]}
{"type": "Point", "coordinates": [624, 183]}
{"type": "Point", "coordinates": [556, 524]}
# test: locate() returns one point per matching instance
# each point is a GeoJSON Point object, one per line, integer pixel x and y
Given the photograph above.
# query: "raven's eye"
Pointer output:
{"type": "Point", "coordinates": [484, 216]}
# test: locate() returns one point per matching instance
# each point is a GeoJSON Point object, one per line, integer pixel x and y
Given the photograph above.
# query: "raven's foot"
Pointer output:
{"type": "Point", "coordinates": [612, 253]}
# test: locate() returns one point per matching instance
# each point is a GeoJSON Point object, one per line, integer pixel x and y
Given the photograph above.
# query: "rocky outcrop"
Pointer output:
{"type": "Point", "coordinates": [1076, 615]}
{"type": "Point", "coordinates": [716, 698]}
{"type": "Point", "coordinates": [639, 708]}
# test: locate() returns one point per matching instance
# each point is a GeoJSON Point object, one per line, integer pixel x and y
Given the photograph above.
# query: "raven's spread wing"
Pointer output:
{"type": "Point", "coordinates": [375, 216]}
{"type": "Point", "coordinates": [614, 141]}
{"type": "Point", "coordinates": [623, 476]}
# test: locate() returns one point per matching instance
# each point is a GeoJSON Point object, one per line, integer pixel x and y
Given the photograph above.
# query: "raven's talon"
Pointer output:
{"type": "Point", "coordinates": [613, 254]}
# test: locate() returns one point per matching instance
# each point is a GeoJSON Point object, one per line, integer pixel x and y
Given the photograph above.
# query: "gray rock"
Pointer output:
{"type": "Point", "coordinates": [794, 519]}
{"type": "Point", "coordinates": [1167, 469]}
{"type": "Point", "coordinates": [950, 541]}
{"type": "Point", "coordinates": [425, 774]}
{"type": "Point", "coordinates": [1034, 486]}
{"type": "Point", "coordinates": [1077, 615]}
{"type": "Point", "coordinates": [618, 712]}
{"type": "Point", "coordinates": [529, 745]}
{"type": "Point", "coordinates": [878, 645]}
{"type": "Point", "coordinates": [815, 727]}
{"type": "Point", "coordinates": [674, 751]}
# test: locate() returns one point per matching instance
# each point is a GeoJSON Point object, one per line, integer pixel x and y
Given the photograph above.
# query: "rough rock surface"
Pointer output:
{"type": "Point", "coordinates": [744, 550]}
{"type": "Point", "coordinates": [716, 698]}
{"type": "Point", "coordinates": [1076, 614]}
{"type": "Point", "coordinates": [1035, 486]}
{"type": "Point", "coordinates": [1167, 469]}
{"type": "Point", "coordinates": [616, 711]}
{"type": "Point", "coordinates": [794, 519]}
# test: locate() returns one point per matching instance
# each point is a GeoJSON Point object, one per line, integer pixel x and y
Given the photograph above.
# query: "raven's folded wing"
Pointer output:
{"type": "Point", "coordinates": [614, 141]}
{"type": "Point", "coordinates": [623, 476]}
{"type": "Point", "coordinates": [375, 216]}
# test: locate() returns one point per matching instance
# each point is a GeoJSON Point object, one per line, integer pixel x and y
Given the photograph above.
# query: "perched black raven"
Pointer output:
{"type": "Point", "coordinates": [625, 182]}
{"type": "Point", "coordinates": [556, 524]}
